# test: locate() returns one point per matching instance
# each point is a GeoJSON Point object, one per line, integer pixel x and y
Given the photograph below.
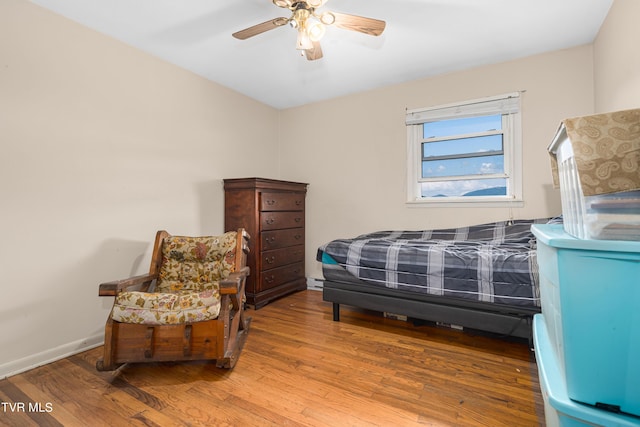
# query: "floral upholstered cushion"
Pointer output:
{"type": "Point", "coordinates": [164, 308]}
{"type": "Point", "coordinates": [195, 263]}
{"type": "Point", "coordinates": [188, 285]}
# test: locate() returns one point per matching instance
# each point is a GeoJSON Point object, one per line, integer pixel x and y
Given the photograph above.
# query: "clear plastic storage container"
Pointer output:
{"type": "Point", "coordinates": [595, 164]}
{"type": "Point", "coordinates": [612, 216]}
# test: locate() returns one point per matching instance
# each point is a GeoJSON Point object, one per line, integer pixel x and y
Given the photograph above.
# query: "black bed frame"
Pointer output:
{"type": "Point", "coordinates": [499, 319]}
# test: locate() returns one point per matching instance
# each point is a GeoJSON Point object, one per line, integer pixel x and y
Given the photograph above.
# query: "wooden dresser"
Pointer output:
{"type": "Point", "coordinates": [273, 214]}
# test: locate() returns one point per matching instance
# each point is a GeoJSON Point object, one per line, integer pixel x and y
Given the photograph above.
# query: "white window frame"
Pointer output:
{"type": "Point", "coordinates": [509, 106]}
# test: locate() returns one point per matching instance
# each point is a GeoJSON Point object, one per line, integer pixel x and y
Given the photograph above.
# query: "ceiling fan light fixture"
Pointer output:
{"type": "Point", "coordinates": [327, 18]}
{"type": "Point", "coordinates": [316, 3]}
{"type": "Point", "coordinates": [304, 41]}
{"type": "Point", "coordinates": [282, 3]}
{"type": "Point", "coordinates": [316, 31]}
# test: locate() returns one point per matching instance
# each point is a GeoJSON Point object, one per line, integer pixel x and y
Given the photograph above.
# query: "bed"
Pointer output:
{"type": "Point", "coordinates": [482, 277]}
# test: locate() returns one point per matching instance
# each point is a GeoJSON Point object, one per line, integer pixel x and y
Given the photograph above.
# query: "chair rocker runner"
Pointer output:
{"type": "Point", "coordinates": [190, 306]}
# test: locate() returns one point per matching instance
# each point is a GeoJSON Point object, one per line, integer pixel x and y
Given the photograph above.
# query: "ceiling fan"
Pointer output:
{"type": "Point", "coordinates": [311, 25]}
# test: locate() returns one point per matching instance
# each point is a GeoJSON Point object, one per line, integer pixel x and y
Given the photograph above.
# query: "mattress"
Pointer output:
{"type": "Point", "coordinates": [494, 262]}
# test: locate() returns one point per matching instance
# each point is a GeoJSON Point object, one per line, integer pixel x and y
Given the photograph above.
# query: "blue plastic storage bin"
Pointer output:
{"type": "Point", "coordinates": [590, 295]}
{"type": "Point", "coordinates": [559, 410]}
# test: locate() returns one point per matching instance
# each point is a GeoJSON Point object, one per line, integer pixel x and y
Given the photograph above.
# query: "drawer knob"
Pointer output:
{"type": "Point", "coordinates": [270, 221]}
{"type": "Point", "coordinates": [270, 239]}
{"type": "Point", "coordinates": [270, 279]}
{"type": "Point", "coordinates": [271, 202]}
{"type": "Point", "coordinates": [298, 202]}
{"type": "Point", "coordinates": [270, 260]}
{"type": "Point", "coordinates": [298, 219]}
{"type": "Point", "coordinates": [298, 236]}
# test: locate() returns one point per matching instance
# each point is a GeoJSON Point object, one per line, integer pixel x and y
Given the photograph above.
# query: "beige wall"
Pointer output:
{"type": "Point", "coordinates": [100, 146]}
{"type": "Point", "coordinates": [617, 61]}
{"type": "Point", "coordinates": [352, 150]}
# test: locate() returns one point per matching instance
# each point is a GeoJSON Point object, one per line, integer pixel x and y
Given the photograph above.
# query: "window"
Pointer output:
{"type": "Point", "coordinates": [467, 153]}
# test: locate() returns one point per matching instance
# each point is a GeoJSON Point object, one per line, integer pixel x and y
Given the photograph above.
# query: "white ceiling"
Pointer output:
{"type": "Point", "coordinates": [422, 38]}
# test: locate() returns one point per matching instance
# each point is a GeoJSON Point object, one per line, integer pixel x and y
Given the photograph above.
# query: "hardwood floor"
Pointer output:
{"type": "Point", "coordinates": [298, 368]}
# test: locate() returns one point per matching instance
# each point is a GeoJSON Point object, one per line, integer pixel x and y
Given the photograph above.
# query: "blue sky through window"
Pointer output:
{"type": "Point", "coordinates": [457, 167]}
{"type": "Point", "coordinates": [475, 187]}
{"type": "Point", "coordinates": [462, 146]}
{"type": "Point", "coordinates": [472, 155]}
{"type": "Point", "coordinates": [461, 126]}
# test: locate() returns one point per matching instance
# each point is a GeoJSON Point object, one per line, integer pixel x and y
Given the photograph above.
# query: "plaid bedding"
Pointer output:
{"type": "Point", "coordinates": [493, 262]}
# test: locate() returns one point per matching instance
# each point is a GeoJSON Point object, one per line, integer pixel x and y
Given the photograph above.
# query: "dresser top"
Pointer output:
{"type": "Point", "coordinates": [263, 183]}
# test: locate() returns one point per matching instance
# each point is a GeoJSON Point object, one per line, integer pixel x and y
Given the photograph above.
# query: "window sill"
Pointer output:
{"type": "Point", "coordinates": [466, 203]}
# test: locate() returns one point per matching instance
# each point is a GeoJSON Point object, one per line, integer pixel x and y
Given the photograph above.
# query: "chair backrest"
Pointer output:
{"type": "Point", "coordinates": [196, 263]}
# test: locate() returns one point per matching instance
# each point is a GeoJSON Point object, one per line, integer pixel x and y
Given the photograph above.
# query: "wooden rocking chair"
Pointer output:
{"type": "Point", "coordinates": [190, 306]}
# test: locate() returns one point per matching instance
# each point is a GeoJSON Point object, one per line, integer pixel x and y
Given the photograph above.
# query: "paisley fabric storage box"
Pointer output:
{"type": "Point", "coordinates": [596, 165]}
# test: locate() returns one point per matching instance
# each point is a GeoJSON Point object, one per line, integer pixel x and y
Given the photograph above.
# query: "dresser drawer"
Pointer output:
{"type": "Point", "coordinates": [279, 257]}
{"type": "Point", "coordinates": [281, 238]}
{"type": "Point", "coordinates": [279, 220]}
{"type": "Point", "coordinates": [281, 201]}
{"type": "Point", "coordinates": [278, 276]}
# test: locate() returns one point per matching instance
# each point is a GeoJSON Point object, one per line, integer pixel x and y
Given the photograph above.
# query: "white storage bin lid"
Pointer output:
{"type": "Point", "coordinates": [554, 235]}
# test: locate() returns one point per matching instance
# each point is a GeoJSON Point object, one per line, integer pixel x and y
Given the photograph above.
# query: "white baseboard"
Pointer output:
{"type": "Point", "coordinates": [33, 361]}
{"type": "Point", "coordinates": [314, 284]}
{"type": "Point", "coordinates": [66, 350]}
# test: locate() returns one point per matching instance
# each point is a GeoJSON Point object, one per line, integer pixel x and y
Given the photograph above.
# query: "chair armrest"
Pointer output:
{"type": "Point", "coordinates": [135, 283]}
{"type": "Point", "coordinates": [233, 282]}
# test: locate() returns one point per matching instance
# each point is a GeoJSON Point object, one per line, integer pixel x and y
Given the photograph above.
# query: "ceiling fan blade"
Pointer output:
{"type": "Point", "coordinates": [370, 26]}
{"type": "Point", "coordinates": [260, 28]}
{"type": "Point", "coordinates": [314, 53]}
